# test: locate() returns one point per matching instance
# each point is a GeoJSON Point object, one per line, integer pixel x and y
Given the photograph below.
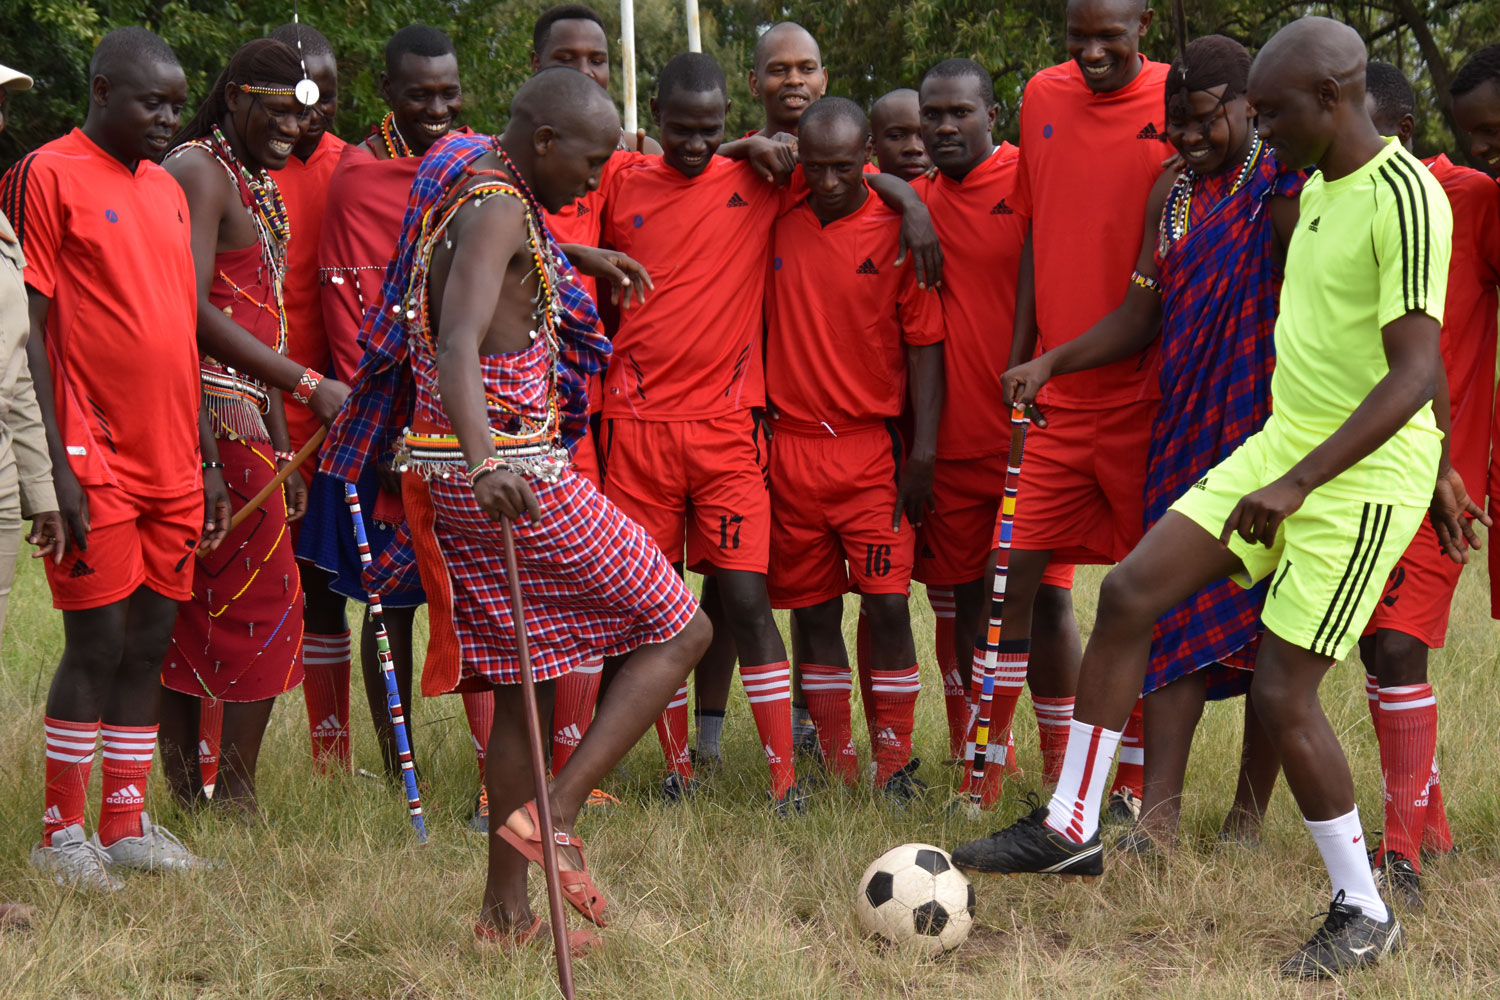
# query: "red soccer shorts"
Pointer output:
{"type": "Point", "coordinates": [1083, 483]}
{"type": "Point", "coordinates": [832, 501]}
{"type": "Point", "coordinates": [954, 545]}
{"type": "Point", "coordinates": [586, 459]}
{"type": "Point", "coordinates": [696, 486]}
{"type": "Point", "coordinates": [131, 541]}
{"type": "Point", "coordinates": [1419, 592]}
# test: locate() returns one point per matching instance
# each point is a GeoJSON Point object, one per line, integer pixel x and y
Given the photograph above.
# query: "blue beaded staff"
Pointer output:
{"type": "Point", "coordinates": [992, 642]}
{"type": "Point", "coordinates": [388, 671]}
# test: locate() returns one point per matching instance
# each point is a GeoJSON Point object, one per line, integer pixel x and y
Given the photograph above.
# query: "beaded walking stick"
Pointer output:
{"type": "Point", "coordinates": [992, 641]}
{"type": "Point", "coordinates": [388, 671]}
{"type": "Point", "coordinates": [538, 770]}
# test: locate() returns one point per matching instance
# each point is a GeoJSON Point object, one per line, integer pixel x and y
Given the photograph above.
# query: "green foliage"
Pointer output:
{"type": "Point", "coordinates": [869, 47]}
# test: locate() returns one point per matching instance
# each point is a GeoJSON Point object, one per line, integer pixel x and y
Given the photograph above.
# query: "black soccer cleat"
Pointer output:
{"type": "Point", "coordinates": [904, 786]}
{"type": "Point", "coordinates": [677, 787]}
{"type": "Point", "coordinates": [1398, 879]}
{"type": "Point", "coordinates": [1348, 940]}
{"type": "Point", "coordinates": [793, 802]}
{"type": "Point", "coordinates": [1029, 845]}
{"type": "Point", "coordinates": [1123, 807]}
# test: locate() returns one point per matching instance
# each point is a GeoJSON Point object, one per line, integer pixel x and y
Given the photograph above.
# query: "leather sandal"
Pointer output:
{"type": "Point", "coordinates": [577, 885]}
{"type": "Point", "coordinates": [580, 941]}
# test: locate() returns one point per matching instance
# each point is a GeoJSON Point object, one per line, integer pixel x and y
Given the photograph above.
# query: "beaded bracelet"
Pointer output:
{"type": "Point", "coordinates": [213, 465]}
{"type": "Point", "coordinates": [492, 464]}
{"type": "Point", "coordinates": [1144, 281]}
{"type": "Point", "coordinates": [285, 456]}
{"type": "Point", "coordinates": [308, 381]}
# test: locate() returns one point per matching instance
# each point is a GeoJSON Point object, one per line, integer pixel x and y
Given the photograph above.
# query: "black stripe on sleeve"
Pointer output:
{"type": "Point", "coordinates": [14, 197]}
{"type": "Point", "coordinates": [1422, 231]}
{"type": "Point", "coordinates": [1401, 193]}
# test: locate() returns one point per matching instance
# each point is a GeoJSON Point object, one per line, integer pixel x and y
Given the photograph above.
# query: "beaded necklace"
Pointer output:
{"type": "Point", "coordinates": [1178, 208]}
{"type": "Point", "coordinates": [395, 143]}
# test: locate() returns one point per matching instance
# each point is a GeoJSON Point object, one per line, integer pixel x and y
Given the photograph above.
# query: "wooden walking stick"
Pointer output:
{"type": "Point", "coordinates": [538, 770]}
{"type": "Point", "coordinates": [279, 478]}
{"type": "Point", "coordinates": [992, 641]}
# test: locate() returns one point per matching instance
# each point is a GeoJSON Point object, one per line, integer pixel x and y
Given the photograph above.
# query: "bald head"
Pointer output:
{"type": "Point", "coordinates": [1308, 88]}
{"type": "Point", "coordinates": [567, 101]}
{"type": "Point", "coordinates": [563, 129]}
{"type": "Point", "coordinates": [897, 128]}
{"type": "Point", "coordinates": [788, 75]}
{"type": "Point", "coordinates": [782, 35]}
{"type": "Point", "coordinates": [1119, 8]}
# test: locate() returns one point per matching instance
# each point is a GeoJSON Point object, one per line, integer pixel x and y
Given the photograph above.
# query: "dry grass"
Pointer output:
{"type": "Point", "coordinates": [331, 898]}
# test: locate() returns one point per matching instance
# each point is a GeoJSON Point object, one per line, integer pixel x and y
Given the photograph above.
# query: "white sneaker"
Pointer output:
{"type": "Point", "coordinates": [74, 858]}
{"type": "Point", "coordinates": [156, 849]}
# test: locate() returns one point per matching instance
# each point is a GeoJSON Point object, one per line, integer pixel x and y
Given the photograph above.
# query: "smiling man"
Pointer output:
{"type": "Point", "coordinates": [1091, 131]}
{"type": "Point", "coordinates": [109, 276]}
{"type": "Point", "coordinates": [788, 76]}
{"type": "Point", "coordinates": [1476, 106]}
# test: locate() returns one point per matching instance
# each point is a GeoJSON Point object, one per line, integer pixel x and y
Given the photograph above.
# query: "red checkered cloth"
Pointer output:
{"type": "Point", "coordinates": [592, 581]}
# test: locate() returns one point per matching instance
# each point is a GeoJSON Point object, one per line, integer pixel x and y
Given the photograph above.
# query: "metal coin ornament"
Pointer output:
{"type": "Point", "coordinates": [306, 92]}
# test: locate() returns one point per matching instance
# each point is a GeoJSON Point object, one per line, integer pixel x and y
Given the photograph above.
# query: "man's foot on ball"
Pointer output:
{"type": "Point", "coordinates": [904, 786]}
{"type": "Point", "coordinates": [793, 802]}
{"type": "Point", "coordinates": [1030, 845]}
{"type": "Point", "coordinates": [678, 787]}
{"type": "Point", "coordinates": [1398, 880]}
{"type": "Point", "coordinates": [1348, 940]}
{"type": "Point", "coordinates": [1123, 807]}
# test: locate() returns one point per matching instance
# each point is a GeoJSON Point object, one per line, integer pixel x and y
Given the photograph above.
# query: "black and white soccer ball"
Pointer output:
{"type": "Point", "coordinates": [912, 896]}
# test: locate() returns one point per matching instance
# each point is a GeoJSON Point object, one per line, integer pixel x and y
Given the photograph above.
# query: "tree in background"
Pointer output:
{"type": "Point", "coordinates": [870, 46]}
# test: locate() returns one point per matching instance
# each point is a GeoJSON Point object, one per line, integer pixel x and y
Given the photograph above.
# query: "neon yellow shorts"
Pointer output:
{"type": "Point", "coordinates": [1330, 559]}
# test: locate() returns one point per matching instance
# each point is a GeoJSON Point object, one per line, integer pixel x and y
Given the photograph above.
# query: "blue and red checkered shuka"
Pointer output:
{"type": "Point", "coordinates": [1220, 286]}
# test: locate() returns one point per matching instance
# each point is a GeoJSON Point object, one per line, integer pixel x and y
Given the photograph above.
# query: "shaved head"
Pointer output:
{"type": "Point", "coordinates": [1121, 8]}
{"type": "Point", "coordinates": [1312, 49]}
{"type": "Point", "coordinates": [1307, 86]}
{"type": "Point", "coordinates": [566, 100]}
{"type": "Point", "coordinates": [563, 128]}
{"type": "Point", "coordinates": [901, 102]}
{"type": "Point", "coordinates": [781, 32]}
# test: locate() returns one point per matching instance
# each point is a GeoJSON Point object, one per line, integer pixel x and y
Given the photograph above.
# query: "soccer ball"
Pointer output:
{"type": "Point", "coordinates": [912, 896]}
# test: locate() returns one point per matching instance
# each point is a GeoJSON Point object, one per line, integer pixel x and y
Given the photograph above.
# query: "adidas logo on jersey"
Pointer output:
{"type": "Point", "coordinates": [52, 815]}
{"type": "Point", "coordinates": [1201, 484]}
{"type": "Point", "coordinates": [582, 210]}
{"type": "Point", "coordinates": [1149, 132]}
{"type": "Point", "coordinates": [127, 796]}
{"type": "Point", "coordinates": [330, 723]}
{"type": "Point", "coordinates": [568, 736]}
{"type": "Point", "coordinates": [1312, 226]}
{"type": "Point", "coordinates": [771, 756]}
{"type": "Point", "coordinates": [868, 267]}
{"type": "Point", "coordinates": [735, 201]}
{"type": "Point", "coordinates": [1001, 208]}
{"type": "Point", "coordinates": [81, 568]}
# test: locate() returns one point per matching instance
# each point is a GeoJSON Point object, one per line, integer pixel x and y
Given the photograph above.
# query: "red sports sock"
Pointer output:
{"type": "Point", "coordinates": [1131, 771]}
{"type": "Point", "coordinates": [1437, 837]}
{"type": "Point", "coordinates": [1408, 739]}
{"type": "Point", "coordinates": [70, 758]}
{"type": "Point", "coordinates": [479, 706]}
{"type": "Point", "coordinates": [672, 730]}
{"type": "Point", "coordinates": [573, 710]}
{"type": "Point", "coordinates": [895, 694]}
{"type": "Point", "coordinates": [769, 689]}
{"type": "Point", "coordinates": [210, 731]}
{"type": "Point", "coordinates": [827, 690]}
{"type": "Point", "coordinates": [325, 689]}
{"type": "Point", "coordinates": [1010, 677]}
{"type": "Point", "coordinates": [127, 762]}
{"type": "Point", "coordinates": [1053, 717]}
{"type": "Point", "coordinates": [955, 697]}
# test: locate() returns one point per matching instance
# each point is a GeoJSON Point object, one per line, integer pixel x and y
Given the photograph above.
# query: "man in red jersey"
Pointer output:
{"type": "Point", "coordinates": [843, 330]}
{"type": "Point", "coordinates": [109, 276]}
{"type": "Point", "coordinates": [973, 203]}
{"type": "Point", "coordinates": [788, 76]}
{"type": "Point", "coordinates": [1089, 144]}
{"type": "Point", "coordinates": [682, 444]}
{"type": "Point", "coordinates": [1412, 616]}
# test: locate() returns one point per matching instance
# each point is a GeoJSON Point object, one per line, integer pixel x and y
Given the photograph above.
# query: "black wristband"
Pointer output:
{"type": "Point", "coordinates": [213, 465]}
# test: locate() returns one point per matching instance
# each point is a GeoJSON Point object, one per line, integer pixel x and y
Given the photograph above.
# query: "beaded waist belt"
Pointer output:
{"type": "Point", "coordinates": [439, 456]}
{"type": "Point", "coordinates": [235, 404]}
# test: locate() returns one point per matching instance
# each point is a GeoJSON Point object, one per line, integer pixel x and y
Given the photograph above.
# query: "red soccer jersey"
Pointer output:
{"type": "Point", "coordinates": [1469, 315]}
{"type": "Point", "coordinates": [1087, 165]}
{"type": "Point", "coordinates": [693, 350]}
{"type": "Point", "coordinates": [838, 314]}
{"type": "Point", "coordinates": [304, 187]}
{"type": "Point", "coordinates": [112, 251]}
{"type": "Point", "coordinates": [982, 231]}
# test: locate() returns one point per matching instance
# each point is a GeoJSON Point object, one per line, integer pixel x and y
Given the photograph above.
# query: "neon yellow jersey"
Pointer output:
{"type": "Point", "coordinates": [1369, 248]}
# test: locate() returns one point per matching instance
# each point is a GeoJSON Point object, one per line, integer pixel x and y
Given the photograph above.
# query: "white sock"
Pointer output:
{"type": "Point", "coordinates": [1341, 841]}
{"type": "Point", "coordinates": [1074, 809]}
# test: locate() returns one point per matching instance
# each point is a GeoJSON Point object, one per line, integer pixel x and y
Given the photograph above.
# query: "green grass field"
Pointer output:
{"type": "Point", "coordinates": [331, 898]}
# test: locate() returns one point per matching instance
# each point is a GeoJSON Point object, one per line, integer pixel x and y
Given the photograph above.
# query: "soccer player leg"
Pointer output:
{"type": "Point", "coordinates": [326, 660]}
{"type": "Point", "coordinates": [1336, 555]}
{"type": "Point", "coordinates": [731, 533]}
{"type": "Point", "coordinates": [808, 576]}
{"type": "Point", "coordinates": [1177, 557]}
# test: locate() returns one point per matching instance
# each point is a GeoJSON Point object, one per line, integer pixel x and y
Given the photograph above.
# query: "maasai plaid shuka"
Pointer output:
{"type": "Point", "coordinates": [380, 402]}
{"type": "Point", "coordinates": [1220, 287]}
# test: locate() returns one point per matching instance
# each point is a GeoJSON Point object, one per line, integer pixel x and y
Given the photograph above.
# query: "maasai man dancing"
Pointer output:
{"type": "Point", "coordinates": [238, 640]}
{"type": "Point", "coordinates": [109, 276]}
{"type": "Point", "coordinates": [1207, 277]}
{"type": "Point", "coordinates": [483, 333]}
{"type": "Point", "coordinates": [1322, 500]}
{"type": "Point", "coordinates": [1412, 616]}
{"type": "Point", "coordinates": [362, 221]}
